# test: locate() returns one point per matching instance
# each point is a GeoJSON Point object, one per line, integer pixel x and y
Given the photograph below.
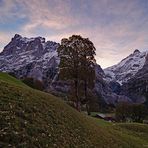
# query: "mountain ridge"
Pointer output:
{"type": "Point", "coordinates": [127, 68]}
{"type": "Point", "coordinates": [38, 58]}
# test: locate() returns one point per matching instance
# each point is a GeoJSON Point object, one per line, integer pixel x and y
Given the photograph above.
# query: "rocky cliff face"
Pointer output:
{"type": "Point", "coordinates": [137, 87]}
{"type": "Point", "coordinates": [130, 77]}
{"type": "Point", "coordinates": [37, 58]}
{"type": "Point", "coordinates": [30, 57]}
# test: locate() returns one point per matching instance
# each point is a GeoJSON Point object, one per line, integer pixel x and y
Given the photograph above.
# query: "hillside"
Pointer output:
{"type": "Point", "coordinates": [31, 118]}
{"type": "Point", "coordinates": [4, 77]}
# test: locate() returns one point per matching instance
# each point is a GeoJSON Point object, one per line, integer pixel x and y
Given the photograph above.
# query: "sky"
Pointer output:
{"type": "Point", "coordinates": [116, 27]}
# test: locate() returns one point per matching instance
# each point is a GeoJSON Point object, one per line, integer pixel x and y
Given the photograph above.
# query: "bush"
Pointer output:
{"type": "Point", "coordinates": [139, 112]}
{"type": "Point", "coordinates": [123, 111]}
{"type": "Point", "coordinates": [131, 112]}
{"type": "Point", "coordinates": [34, 83]}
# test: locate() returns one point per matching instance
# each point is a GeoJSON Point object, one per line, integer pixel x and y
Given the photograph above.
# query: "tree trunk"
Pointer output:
{"type": "Point", "coordinates": [78, 103]}
{"type": "Point", "coordinates": [86, 98]}
{"type": "Point", "coordinates": [88, 108]}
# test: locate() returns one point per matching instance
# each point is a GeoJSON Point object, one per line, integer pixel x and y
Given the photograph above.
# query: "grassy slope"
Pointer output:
{"type": "Point", "coordinates": [4, 77]}
{"type": "Point", "coordinates": [31, 118]}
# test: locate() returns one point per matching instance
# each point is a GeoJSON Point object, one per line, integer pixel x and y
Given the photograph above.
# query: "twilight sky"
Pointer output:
{"type": "Point", "coordinates": [116, 27]}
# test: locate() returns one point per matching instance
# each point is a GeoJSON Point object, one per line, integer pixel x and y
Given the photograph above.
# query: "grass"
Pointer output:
{"type": "Point", "coordinates": [104, 114]}
{"type": "Point", "coordinates": [11, 80]}
{"type": "Point", "coordinates": [31, 118]}
{"type": "Point", "coordinates": [102, 122]}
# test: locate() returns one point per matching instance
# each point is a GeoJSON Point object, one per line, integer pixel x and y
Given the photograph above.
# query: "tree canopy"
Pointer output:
{"type": "Point", "coordinates": [77, 64]}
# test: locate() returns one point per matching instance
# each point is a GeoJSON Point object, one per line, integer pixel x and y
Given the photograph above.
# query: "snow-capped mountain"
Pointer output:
{"type": "Point", "coordinates": [38, 59]}
{"type": "Point", "coordinates": [137, 87]}
{"type": "Point", "coordinates": [27, 57]}
{"type": "Point", "coordinates": [127, 68]}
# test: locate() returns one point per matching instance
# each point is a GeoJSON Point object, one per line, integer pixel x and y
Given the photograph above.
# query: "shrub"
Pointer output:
{"type": "Point", "coordinates": [34, 83]}
{"type": "Point", "coordinates": [133, 112]}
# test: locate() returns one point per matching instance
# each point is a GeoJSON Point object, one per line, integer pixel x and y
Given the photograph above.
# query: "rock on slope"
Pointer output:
{"type": "Point", "coordinates": [127, 68]}
{"type": "Point", "coordinates": [36, 58]}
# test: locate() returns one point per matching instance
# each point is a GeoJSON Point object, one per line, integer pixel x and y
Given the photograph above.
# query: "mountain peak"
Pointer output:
{"type": "Point", "coordinates": [20, 45]}
{"type": "Point", "coordinates": [16, 36]}
{"type": "Point", "coordinates": [26, 39]}
{"type": "Point", "coordinates": [136, 51]}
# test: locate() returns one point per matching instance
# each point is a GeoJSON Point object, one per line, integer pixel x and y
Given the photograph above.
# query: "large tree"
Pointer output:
{"type": "Point", "coordinates": [87, 73]}
{"type": "Point", "coordinates": [77, 63]}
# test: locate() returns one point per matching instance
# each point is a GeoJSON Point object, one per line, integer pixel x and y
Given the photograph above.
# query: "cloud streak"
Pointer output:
{"type": "Point", "coordinates": [116, 27]}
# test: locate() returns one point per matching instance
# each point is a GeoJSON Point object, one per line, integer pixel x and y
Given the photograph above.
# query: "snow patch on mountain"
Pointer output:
{"type": "Point", "coordinates": [127, 68]}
